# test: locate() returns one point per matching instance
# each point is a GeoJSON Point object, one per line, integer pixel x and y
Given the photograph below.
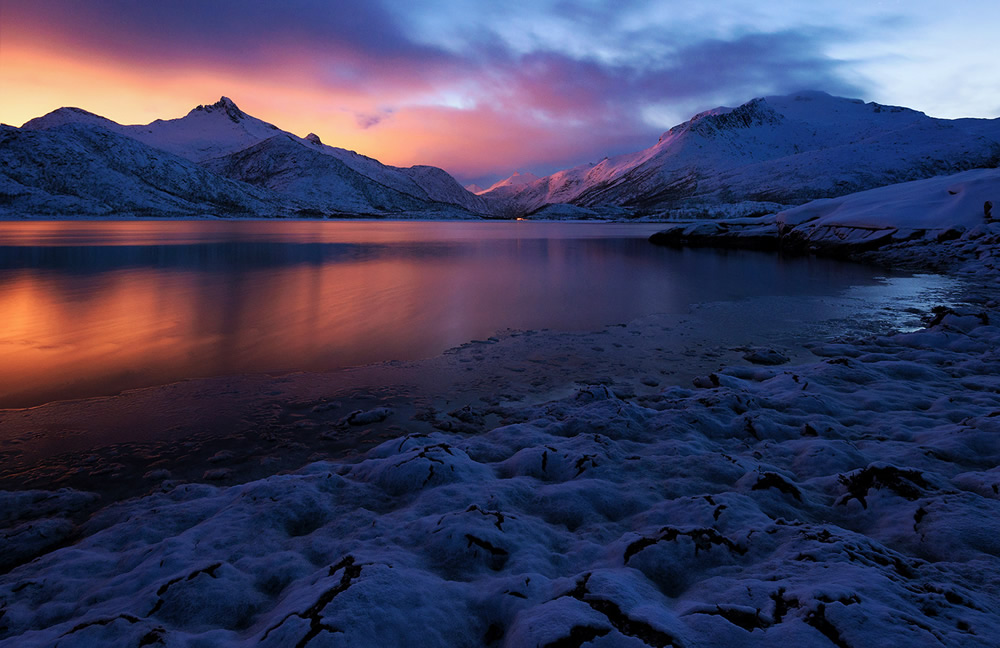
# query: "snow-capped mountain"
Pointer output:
{"type": "Point", "coordinates": [517, 180]}
{"type": "Point", "coordinates": [205, 132]}
{"type": "Point", "coordinates": [286, 166]}
{"type": "Point", "coordinates": [291, 175]}
{"type": "Point", "coordinates": [84, 169]}
{"type": "Point", "coordinates": [770, 151]}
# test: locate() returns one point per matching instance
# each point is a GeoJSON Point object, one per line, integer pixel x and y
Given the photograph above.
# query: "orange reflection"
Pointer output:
{"type": "Point", "coordinates": [97, 307]}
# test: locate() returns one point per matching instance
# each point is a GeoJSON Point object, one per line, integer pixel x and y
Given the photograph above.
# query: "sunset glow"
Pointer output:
{"type": "Point", "coordinates": [479, 93]}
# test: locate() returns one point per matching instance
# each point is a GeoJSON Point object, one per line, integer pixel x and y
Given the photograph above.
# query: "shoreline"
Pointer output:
{"type": "Point", "coordinates": [851, 494]}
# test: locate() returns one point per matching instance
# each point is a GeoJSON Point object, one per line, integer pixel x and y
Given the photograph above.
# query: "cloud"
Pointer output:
{"type": "Point", "coordinates": [481, 93]}
{"type": "Point", "coordinates": [239, 31]}
{"type": "Point", "coordinates": [370, 120]}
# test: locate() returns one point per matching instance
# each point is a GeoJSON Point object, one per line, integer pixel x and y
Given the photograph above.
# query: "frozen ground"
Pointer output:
{"type": "Point", "coordinates": [846, 501]}
{"type": "Point", "coordinates": [849, 501]}
{"type": "Point", "coordinates": [847, 498]}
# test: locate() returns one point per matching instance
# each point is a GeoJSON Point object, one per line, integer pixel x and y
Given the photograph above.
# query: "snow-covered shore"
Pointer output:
{"type": "Point", "coordinates": [848, 500]}
{"type": "Point", "coordinates": [947, 222]}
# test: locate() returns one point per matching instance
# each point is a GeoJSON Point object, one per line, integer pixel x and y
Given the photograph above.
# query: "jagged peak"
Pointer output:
{"type": "Point", "coordinates": [314, 138]}
{"type": "Point", "coordinates": [755, 112]}
{"type": "Point", "coordinates": [224, 105]}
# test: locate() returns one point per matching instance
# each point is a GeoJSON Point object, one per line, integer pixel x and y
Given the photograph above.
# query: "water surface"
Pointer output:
{"type": "Point", "coordinates": [93, 308]}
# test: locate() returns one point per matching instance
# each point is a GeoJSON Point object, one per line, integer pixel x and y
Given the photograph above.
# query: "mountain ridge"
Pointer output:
{"type": "Point", "coordinates": [209, 134]}
{"type": "Point", "coordinates": [762, 156]}
{"type": "Point", "coordinates": [781, 150]}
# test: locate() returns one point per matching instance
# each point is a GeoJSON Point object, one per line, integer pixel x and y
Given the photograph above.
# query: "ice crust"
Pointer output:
{"type": "Point", "coordinates": [851, 501]}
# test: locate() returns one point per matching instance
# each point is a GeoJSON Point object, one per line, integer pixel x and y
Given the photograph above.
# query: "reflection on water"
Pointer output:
{"type": "Point", "coordinates": [92, 308]}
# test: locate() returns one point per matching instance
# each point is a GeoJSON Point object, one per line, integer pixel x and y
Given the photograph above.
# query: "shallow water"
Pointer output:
{"type": "Point", "coordinates": [93, 308]}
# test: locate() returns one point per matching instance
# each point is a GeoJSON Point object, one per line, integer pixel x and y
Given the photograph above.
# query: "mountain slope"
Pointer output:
{"type": "Point", "coordinates": [215, 131]}
{"type": "Point", "coordinates": [75, 169]}
{"type": "Point", "coordinates": [205, 132]}
{"type": "Point", "coordinates": [286, 166]}
{"type": "Point", "coordinates": [785, 150]}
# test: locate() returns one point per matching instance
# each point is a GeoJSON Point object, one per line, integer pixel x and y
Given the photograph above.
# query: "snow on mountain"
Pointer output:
{"type": "Point", "coordinates": [517, 180]}
{"type": "Point", "coordinates": [72, 115]}
{"type": "Point", "coordinates": [786, 150]}
{"type": "Point", "coordinates": [425, 183]}
{"type": "Point", "coordinates": [211, 134]}
{"type": "Point", "coordinates": [474, 188]}
{"type": "Point", "coordinates": [769, 153]}
{"type": "Point", "coordinates": [84, 169]}
{"type": "Point", "coordinates": [205, 132]}
{"type": "Point", "coordinates": [286, 166]}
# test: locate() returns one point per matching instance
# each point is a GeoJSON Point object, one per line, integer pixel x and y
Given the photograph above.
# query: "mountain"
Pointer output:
{"type": "Point", "coordinates": [205, 132]}
{"type": "Point", "coordinates": [768, 153]}
{"type": "Point", "coordinates": [285, 166]}
{"type": "Point", "coordinates": [84, 169]}
{"type": "Point", "coordinates": [266, 170]}
{"type": "Point", "coordinates": [517, 180]}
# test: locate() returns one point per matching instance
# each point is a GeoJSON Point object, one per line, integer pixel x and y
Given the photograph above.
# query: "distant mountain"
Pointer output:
{"type": "Point", "coordinates": [265, 171]}
{"type": "Point", "coordinates": [517, 180]}
{"type": "Point", "coordinates": [767, 153]}
{"type": "Point", "coordinates": [84, 169]}
{"type": "Point", "coordinates": [205, 132]}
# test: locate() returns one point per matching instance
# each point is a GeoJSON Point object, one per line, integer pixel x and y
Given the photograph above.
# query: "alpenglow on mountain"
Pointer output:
{"type": "Point", "coordinates": [216, 160]}
{"type": "Point", "coordinates": [769, 152]}
{"type": "Point", "coordinates": [764, 155]}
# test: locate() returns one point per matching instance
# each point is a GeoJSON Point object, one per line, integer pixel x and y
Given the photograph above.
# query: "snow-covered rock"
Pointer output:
{"type": "Point", "coordinates": [944, 222]}
{"type": "Point", "coordinates": [784, 150]}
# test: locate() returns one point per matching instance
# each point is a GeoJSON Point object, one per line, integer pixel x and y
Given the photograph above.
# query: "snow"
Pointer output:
{"type": "Point", "coordinates": [850, 499]}
{"type": "Point", "coordinates": [307, 176]}
{"type": "Point", "coordinates": [939, 222]}
{"type": "Point", "coordinates": [785, 150]}
{"type": "Point", "coordinates": [940, 203]}
{"type": "Point", "coordinates": [516, 180]}
{"type": "Point", "coordinates": [767, 154]}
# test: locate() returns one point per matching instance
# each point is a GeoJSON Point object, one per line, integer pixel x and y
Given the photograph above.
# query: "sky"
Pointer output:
{"type": "Point", "coordinates": [485, 88]}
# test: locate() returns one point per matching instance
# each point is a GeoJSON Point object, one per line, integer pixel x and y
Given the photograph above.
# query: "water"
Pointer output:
{"type": "Point", "coordinates": [93, 308]}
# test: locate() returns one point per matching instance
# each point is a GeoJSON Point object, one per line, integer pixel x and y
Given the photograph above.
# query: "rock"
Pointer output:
{"type": "Point", "coordinates": [768, 357]}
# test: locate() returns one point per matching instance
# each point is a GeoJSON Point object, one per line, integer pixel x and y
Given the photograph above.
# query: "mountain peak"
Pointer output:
{"type": "Point", "coordinates": [226, 106]}
{"type": "Point", "coordinates": [67, 115]}
{"type": "Point", "coordinates": [314, 138]}
{"type": "Point", "coordinates": [516, 180]}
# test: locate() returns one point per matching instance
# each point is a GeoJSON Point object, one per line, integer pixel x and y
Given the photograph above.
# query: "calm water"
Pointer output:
{"type": "Point", "coordinates": [92, 308]}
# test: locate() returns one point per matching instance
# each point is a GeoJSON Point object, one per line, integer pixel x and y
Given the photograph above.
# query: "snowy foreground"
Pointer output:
{"type": "Point", "coordinates": [850, 501]}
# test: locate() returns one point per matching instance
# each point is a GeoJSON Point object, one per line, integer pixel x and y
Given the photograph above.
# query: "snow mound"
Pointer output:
{"type": "Point", "coordinates": [945, 202]}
